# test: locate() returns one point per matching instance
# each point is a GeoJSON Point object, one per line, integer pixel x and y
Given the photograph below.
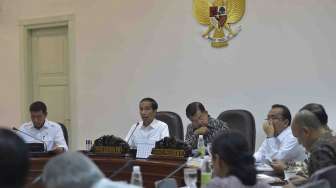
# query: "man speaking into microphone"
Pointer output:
{"type": "Point", "coordinates": [149, 128]}
{"type": "Point", "coordinates": [40, 129]}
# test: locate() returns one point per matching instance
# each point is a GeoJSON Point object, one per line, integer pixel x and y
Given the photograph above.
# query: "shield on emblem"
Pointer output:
{"type": "Point", "coordinates": [222, 20]}
{"type": "Point", "coordinates": [218, 16]}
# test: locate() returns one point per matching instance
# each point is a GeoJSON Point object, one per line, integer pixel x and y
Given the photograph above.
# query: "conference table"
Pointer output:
{"type": "Point", "coordinates": [152, 169]}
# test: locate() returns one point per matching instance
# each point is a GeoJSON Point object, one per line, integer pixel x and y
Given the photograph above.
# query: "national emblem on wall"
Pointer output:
{"type": "Point", "coordinates": [219, 16]}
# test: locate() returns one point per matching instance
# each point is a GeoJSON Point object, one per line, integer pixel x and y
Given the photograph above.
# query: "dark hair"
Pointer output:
{"type": "Point", "coordinates": [14, 159]}
{"type": "Point", "coordinates": [193, 107]}
{"type": "Point", "coordinates": [318, 110]}
{"type": "Point", "coordinates": [233, 149]}
{"type": "Point", "coordinates": [285, 112]}
{"type": "Point", "coordinates": [38, 106]}
{"type": "Point", "coordinates": [154, 103]}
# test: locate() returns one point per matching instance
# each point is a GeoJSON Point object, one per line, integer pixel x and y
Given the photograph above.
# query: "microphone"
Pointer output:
{"type": "Point", "coordinates": [136, 126]}
{"type": "Point", "coordinates": [31, 136]}
{"type": "Point", "coordinates": [182, 165]}
{"type": "Point", "coordinates": [126, 165]}
{"type": "Point", "coordinates": [176, 170]}
{"type": "Point", "coordinates": [37, 180]}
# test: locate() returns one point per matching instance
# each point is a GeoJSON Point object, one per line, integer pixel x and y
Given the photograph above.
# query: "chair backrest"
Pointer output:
{"type": "Point", "coordinates": [317, 184]}
{"type": "Point", "coordinates": [65, 133]}
{"type": "Point", "coordinates": [174, 122]}
{"type": "Point", "coordinates": [242, 121]}
{"type": "Point", "coordinates": [328, 173]}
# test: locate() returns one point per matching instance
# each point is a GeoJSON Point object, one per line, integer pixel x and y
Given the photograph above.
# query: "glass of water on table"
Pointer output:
{"type": "Point", "coordinates": [190, 177]}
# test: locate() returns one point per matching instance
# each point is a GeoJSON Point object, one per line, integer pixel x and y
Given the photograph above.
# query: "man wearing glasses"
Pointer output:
{"type": "Point", "coordinates": [202, 124]}
{"type": "Point", "coordinates": [280, 144]}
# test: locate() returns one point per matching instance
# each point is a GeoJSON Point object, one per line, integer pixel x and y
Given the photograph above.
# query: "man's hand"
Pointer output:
{"type": "Point", "coordinates": [268, 129]}
{"type": "Point", "coordinates": [58, 150]}
{"type": "Point", "coordinates": [278, 166]}
{"type": "Point", "coordinates": [201, 131]}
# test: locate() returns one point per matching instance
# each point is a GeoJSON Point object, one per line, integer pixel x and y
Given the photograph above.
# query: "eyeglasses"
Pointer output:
{"type": "Point", "coordinates": [273, 118]}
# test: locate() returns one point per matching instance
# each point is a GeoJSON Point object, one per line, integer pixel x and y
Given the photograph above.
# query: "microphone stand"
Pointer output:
{"type": "Point", "coordinates": [127, 164]}
{"type": "Point", "coordinates": [182, 165]}
{"type": "Point", "coordinates": [136, 126]}
{"type": "Point", "coordinates": [174, 172]}
{"type": "Point", "coordinates": [37, 180]}
{"type": "Point", "coordinates": [43, 142]}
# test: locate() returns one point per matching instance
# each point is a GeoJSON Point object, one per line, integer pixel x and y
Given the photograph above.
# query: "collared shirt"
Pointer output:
{"type": "Point", "coordinates": [215, 127]}
{"type": "Point", "coordinates": [322, 153]}
{"type": "Point", "coordinates": [51, 133]}
{"type": "Point", "coordinates": [233, 181]}
{"type": "Point", "coordinates": [284, 147]}
{"type": "Point", "coordinates": [155, 131]}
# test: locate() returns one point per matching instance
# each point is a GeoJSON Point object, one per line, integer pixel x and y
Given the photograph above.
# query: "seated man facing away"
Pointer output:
{"type": "Point", "coordinates": [312, 133]}
{"type": "Point", "coordinates": [47, 131]}
{"type": "Point", "coordinates": [149, 128]}
{"type": "Point", "coordinates": [73, 169]}
{"type": "Point", "coordinates": [14, 160]}
{"type": "Point", "coordinates": [319, 111]}
{"type": "Point", "coordinates": [202, 124]}
{"type": "Point", "coordinates": [233, 165]}
{"type": "Point", "coordinates": [280, 144]}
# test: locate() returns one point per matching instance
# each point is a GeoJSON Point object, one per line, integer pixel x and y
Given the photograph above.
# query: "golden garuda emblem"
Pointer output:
{"type": "Point", "coordinates": [219, 15]}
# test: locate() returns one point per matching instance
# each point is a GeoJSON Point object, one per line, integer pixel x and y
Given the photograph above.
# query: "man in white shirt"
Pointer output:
{"type": "Point", "coordinates": [40, 128]}
{"type": "Point", "coordinates": [149, 128]}
{"type": "Point", "coordinates": [280, 144]}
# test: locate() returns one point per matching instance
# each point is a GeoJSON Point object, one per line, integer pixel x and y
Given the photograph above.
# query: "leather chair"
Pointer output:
{"type": "Point", "coordinates": [65, 133]}
{"type": "Point", "coordinates": [174, 122]}
{"type": "Point", "coordinates": [242, 121]}
{"type": "Point", "coordinates": [328, 173]}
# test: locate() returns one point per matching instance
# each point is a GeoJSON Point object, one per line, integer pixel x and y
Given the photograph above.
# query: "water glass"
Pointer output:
{"type": "Point", "coordinates": [190, 177]}
{"type": "Point", "coordinates": [208, 148]}
{"type": "Point", "coordinates": [88, 144]}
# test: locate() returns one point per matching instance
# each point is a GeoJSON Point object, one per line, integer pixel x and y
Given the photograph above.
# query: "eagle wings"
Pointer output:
{"type": "Point", "coordinates": [234, 10]}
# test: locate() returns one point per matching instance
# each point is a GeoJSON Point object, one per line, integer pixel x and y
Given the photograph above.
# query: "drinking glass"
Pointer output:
{"type": "Point", "coordinates": [190, 177]}
{"type": "Point", "coordinates": [208, 148]}
{"type": "Point", "coordinates": [290, 170]}
{"type": "Point", "coordinates": [88, 144]}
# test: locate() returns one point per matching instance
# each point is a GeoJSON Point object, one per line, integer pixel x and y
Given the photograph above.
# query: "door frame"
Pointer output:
{"type": "Point", "coordinates": [25, 28]}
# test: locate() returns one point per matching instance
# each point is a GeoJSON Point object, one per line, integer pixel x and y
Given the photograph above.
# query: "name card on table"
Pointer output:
{"type": "Point", "coordinates": [144, 147]}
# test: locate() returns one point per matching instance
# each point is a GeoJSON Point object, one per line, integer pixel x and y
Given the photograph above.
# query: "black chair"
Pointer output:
{"type": "Point", "coordinates": [65, 133]}
{"type": "Point", "coordinates": [328, 173]}
{"type": "Point", "coordinates": [242, 121]}
{"type": "Point", "coordinates": [174, 122]}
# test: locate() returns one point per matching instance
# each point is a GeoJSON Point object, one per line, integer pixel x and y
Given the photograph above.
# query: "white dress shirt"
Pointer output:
{"type": "Point", "coordinates": [51, 133]}
{"type": "Point", "coordinates": [283, 147]}
{"type": "Point", "coordinates": [155, 131]}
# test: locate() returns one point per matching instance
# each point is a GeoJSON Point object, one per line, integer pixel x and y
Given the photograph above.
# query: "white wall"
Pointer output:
{"type": "Point", "coordinates": [127, 50]}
